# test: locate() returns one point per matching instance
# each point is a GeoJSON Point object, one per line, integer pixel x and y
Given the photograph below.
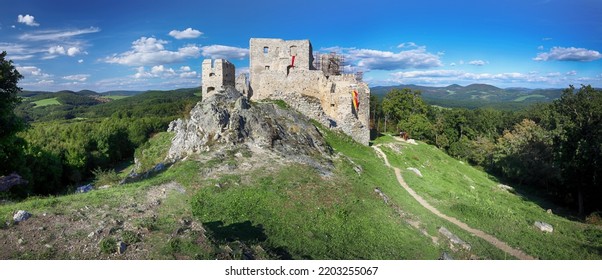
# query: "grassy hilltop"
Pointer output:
{"type": "Point", "coordinates": [291, 211]}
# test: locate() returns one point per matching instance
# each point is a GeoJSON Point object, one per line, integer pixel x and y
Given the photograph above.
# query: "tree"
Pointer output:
{"type": "Point", "coordinates": [399, 105]}
{"type": "Point", "coordinates": [579, 145]}
{"type": "Point", "coordinates": [11, 147]}
{"type": "Point", "coordinates": [525, 155]}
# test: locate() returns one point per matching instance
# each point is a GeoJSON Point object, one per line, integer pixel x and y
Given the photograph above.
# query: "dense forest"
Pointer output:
{"type": "Point", "coordinates": [59, 147]}
{"type": "Point", "coordinates": [553, 148]}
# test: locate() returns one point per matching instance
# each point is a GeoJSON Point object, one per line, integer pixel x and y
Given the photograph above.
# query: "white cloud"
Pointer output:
{"type": "Point", "coordinates": [17, 51]}
{"type": "Point", "coordinates": [447, 77]}
{"type": "Point", "coordinates": [77, 77]}
{"type": "Point", "coordinates": [478, 62]}
{"type": "Point", "coordinates": [73, 51]}
{"type": "Point", "coordinates": [80, 61]}
{"type": "Point", "coordinates": [27, 20]}
{"type": "Point", "coordinates": [540, 48]}
{"type": "Point", "coordinates": [568, 54]}
{"type": "Point", "coordinates": [407, 45]}
{"type": "Point", "coordinates": [227, 52]}
{"type": "Point", "coordinates": [151, 51]}
{"type": "Point", "coordinates": [29, 71]}
{"type": "Point", "coordinates": [452, 64]}
{"type": "Point", "coordinates": [572, 73]}
{"type": "Point", "coordinates": [188, 33]}
{"type": "Point", "coordinates": [161, 70]}
{"type": "Point", "coordinates": [56, 50]}
{"type": "Point", "coordinates": [191, 74]}
{"type": "Point", "coordinates": [384, 60]}
{"type": "Point", "coordinates": [185, 68]}
{"type": "Point", "coordinates": [57, 35]}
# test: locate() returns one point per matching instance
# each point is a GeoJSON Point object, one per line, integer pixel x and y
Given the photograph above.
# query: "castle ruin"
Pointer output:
{"type": "Point", "coordinates": [288, 71]}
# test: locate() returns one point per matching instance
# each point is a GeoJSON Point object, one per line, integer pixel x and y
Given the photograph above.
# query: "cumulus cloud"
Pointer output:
{"type": "Point", "coordinates": [31, 71]}
{"type": "Point", "coordinates": [188, 33]}
{"type": "Point", "coordinates": [56, 50]}
{"type": "Point", "coordinates": [227, 52]}
{"type": "Point", "coordinates": [385, 60]}
{"type": "Point", "coordinates": [478, 62]}
{"type": "Point", "coordinates": [572, 73]}
{"type": "Point", "coordinates": [27, 20]}
{"type": "Point", "coordinates": [568, 54]}
{"type": "Point", "coordinates": [57, 35]}
{"type": "Point", "coordinates": [77, 77]}
{"type": "Point", "coordinates": [151, 51]}
{"type": "Point", "coordinates": [162, 72]}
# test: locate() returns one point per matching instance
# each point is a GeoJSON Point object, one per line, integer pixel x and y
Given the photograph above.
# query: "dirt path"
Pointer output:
{"type": "Point", "coordinates": [487, 237]}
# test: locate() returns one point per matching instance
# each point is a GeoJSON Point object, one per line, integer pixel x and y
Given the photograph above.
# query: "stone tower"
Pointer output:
{"type": "Point", "coordinates": [216, 75]}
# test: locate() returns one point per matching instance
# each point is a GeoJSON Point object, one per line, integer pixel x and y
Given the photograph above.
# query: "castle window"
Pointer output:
{"type": "Point", "coordinates": [211, 74]}
{"type": "Point", "coordinates": [210, 89]}
{"type": "Point", "coordinates": [265, 50]}
{"type": "Point", "coordinates": [293, 50]}
{"type": "Point", "coordinates": [267, 67]}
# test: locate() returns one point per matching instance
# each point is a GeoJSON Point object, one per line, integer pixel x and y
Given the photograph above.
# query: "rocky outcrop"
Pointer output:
{"type": "Point", "coordinates": [228, 119]}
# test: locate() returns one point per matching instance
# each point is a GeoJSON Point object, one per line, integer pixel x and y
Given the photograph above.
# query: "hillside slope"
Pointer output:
{"type": "Point", "coordinates": [241, 200]}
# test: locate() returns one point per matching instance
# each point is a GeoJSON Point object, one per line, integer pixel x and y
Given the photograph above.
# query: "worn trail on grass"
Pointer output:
{"type": "Point", "coordinates": [479, 233]}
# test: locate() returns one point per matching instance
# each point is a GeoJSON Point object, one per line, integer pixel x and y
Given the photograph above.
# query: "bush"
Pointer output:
{"type": "Point", "coordinates": [105, 177]}
{"type": "Point", "coordinates": [108, 245]}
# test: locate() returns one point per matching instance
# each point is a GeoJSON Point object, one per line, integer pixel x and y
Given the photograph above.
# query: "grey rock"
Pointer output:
{"type": "Point", "coordinates": [227, 119]}
{"type": "Point", "coordinates": [416, 171]}
{"type": "Point", "coordinates": [505, 187]}
{"type": "Point", "coordinates": [121, 247]}
{"type": "Point", "coordinates": [446, 257]}
{"type": "Point", "coordinates": [454, 239]}
{"type": "Point", "coordinates": [545, 227]}
{"type": "Point", "coordinates": [21, 215]}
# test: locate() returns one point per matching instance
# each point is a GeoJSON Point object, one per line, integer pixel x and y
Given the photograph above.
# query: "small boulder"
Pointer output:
{"type": "Point", "coordinates": [454, 239]}
{"type": "Point", "coordinates": [446, 257]}
{"type": "Point", "coordinates": [549, 211]}
{"type": "Point", "coordinates": [505, 187]}
{"type": "Point", "coordinates": [412, 141]}
{"type": "Point", "coordinates": [545, 227]}
{"type": "Point", "coordinates": [21, 215]}
{"type": "Point", "coordinates": [416, 171]}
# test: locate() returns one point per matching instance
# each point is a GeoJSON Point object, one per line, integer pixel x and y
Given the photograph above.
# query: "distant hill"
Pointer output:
{"type": "Point", "coordinates": [477, 95]}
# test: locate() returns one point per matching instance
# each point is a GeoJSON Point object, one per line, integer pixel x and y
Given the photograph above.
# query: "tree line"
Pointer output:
{"type": "Point", "coordinates": [555, 148]}
{"type": "Point", "coordinates": [58, 151]}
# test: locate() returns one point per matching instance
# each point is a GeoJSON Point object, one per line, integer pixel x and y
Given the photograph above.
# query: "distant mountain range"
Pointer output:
{"type": "Point", "coordinates": [477, 95]}
{"type": "Point", "coordinates": [470, 96]}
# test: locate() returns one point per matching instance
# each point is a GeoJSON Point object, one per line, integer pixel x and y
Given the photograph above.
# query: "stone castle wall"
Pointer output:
{"type": "Point", "coordinates": [216, 74]}
{"type": "Point", "coordinates": [274, 75]}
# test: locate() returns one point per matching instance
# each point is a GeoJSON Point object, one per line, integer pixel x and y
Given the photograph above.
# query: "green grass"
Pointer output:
{"type": "Point", "coordinates": [446, 184]}
{"type": "Point", "coordinates": [154, 151]}
{"type": "Point", "coordinates": [523, 98]}
{"type": "Point", "coordinates": [292, 212]}
{"type": "Point", "coordinates": [46, 102]}
{"type": "Point", "coordinates": [116, 97]}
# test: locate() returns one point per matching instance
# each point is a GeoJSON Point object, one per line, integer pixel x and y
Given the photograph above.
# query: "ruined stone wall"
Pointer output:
{"type": "Point", "coordinates": [327, 100]}
{"type": "Point", "coordinates": [216, 74]}
{"type": "Point", "coordinates": [276, 56]}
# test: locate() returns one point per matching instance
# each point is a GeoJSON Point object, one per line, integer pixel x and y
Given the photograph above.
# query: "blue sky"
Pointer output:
{"type": "Point", "coordinates": [139, 45]}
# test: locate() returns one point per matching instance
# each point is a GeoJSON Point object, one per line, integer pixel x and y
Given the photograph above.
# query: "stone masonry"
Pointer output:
{"type": "Point", "coordinates": [216, 75]}
{"type": "Point", "coordinates": [283, 70]}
